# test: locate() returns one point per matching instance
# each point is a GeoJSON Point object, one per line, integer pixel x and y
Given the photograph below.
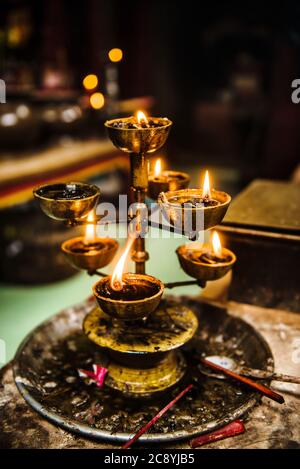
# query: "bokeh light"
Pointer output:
{"type": "Point", "coordinates": [90, 82]}
{"type": "Point", "coordinates": [115, 55]}
{"type": "Point", "coordinates": [97, 100]}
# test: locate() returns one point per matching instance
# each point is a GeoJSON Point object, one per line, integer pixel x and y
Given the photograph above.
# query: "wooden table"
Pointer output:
{"type": "Point", "coordinates": [269, 425]}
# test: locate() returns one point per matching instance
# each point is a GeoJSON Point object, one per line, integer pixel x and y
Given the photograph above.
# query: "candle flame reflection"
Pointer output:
{"type": "Point", "coordinates": [216, 244]}
{"type": "Point", "coordinates": [90, 231]}
{"type": "Point", "coordinates": [206, 186]}
{"type": "Point", "coordinates": [116, 282]}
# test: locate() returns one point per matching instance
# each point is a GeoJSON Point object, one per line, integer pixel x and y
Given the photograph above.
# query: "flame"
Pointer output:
{"type": "Point", "coordinates": [216, 244]}
{"type": "Point", "coordinates": [116, 282]}
{"type": "Point", "coordinates": [206, 186]}
{"type": "Point", "coordinates": [90, 231]}
{"type": "Point", "coordinates": [157, 168]}
{"type": "Point", "coordinates": [141, 117]}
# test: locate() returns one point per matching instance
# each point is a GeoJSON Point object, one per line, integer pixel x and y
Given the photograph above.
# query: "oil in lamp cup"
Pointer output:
{"type": "Point", "coordinates": [89, 256]}
{"type": "Point", "coordinates": [167, 181]}
{"type": "Point", "coordinates": [193, 263]}
{"type": "Point", "coordinates": [176, 214]}
{"type": "Point", "coordinates": [128, 308]}
{"type": "Point", "coordinates": [67, 201]}
{"type": "Point", "coordinates": [139, 139]}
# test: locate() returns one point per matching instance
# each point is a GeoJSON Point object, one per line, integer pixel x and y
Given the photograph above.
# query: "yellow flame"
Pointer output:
{"type": "Point", "coordinates": [216, 244]}
{"type": "Point", "coordinates": [116, 282]}
{"type": "Point", "coordinates": [90, 231]}
{"type": "Point", "coordinates": [206, 186]}
{"type": "Point", "coordinates": [141, 117]}
{"type": "Point", "coordinates": [157, 168]}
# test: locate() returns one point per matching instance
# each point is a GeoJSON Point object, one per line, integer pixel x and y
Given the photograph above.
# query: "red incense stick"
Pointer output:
{"type": "Point", "coordinates": [259, 387]}
{"type": "Point", "coordinates": [156, 417]}
{"type": "Point", "coordinates": [234, 428]}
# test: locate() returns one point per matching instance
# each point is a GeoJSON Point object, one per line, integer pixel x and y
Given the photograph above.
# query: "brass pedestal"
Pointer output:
{"type": "Point", "coordinates": [142, 381]}
{"type": "Point", "coordinates": [143, 356]}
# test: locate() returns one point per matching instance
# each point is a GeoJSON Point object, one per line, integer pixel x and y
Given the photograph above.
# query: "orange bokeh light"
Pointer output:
{"type": "Point", "coordinates": [90, 82]}
{"type": "Point", "coordinates": [97, 100]}
{"type": "Point", "coordinates": [115, 55]}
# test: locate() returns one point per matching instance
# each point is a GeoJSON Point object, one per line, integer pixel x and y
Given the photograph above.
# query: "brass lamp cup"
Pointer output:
{"type": "Point", "coordinates": [129, 310]}
{"type": "Point", "coordinates": [178, 180]}
{"type": "Point", "coordinates": [200, 270]}
{"type": "Point", "coordinates": [177, 215]}
{"type": "Point", "coordinates": [93, 259]}
{"type": "Point", "coordinates": [66, 209]}
{"type": "Point", "coordinates": [143, 140]}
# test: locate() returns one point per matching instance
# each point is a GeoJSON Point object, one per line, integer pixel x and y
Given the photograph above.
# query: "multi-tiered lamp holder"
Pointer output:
{"type": "Point", "coordinates": [140, 337]}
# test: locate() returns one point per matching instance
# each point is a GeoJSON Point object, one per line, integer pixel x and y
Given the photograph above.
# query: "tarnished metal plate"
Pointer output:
{"type": "Point", "coordinates": [46, 375]}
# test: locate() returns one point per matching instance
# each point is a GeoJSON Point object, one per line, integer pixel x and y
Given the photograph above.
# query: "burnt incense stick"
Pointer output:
{"type": "Point", "coordinates": [249, 382]}
{"type": "Point", "coordinates": [262, 374]}
{"type": "Point", "coordinates": [232, 429]}
{"type": "Point", "coordinates": [156, 417]}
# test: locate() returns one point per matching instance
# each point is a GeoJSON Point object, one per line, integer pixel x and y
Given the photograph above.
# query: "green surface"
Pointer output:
{"type": "Point", "coordinates": [24, 307]}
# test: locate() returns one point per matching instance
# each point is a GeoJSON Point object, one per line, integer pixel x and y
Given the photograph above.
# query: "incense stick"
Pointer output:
{"type": "Point", "coordinates": [156, 417]}
{"type": "Point", "coordinates": [232, 429]}
{"type": "Point", "coordinates": [249, 382]}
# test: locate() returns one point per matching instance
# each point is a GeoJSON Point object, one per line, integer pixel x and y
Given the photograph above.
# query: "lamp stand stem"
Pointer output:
{"type": "Point", "coordinates": [139, 187]}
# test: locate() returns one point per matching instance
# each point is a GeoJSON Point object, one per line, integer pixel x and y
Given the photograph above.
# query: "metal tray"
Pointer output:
{"type": "Point", "coordinates": [45, 370]}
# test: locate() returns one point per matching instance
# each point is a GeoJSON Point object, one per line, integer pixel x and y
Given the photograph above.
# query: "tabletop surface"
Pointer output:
{"type": "Point", "coordinates": [276, 207]}
{"type": "Point", "coordinates": [269, 425]}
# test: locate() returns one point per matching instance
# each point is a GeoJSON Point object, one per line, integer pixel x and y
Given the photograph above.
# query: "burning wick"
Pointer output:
{"type": "Point", "coordinates": [157, 168]}
{"type": "Point", "coordinates": [165, 176]}
{"type": "Point", "coordinates": [90, 231]}
{"type": "Point", "coordinates": [158, 175]}
{"type": "Point", "coordinates": [116, 282]}
{"type": "Point", "coordinates": [216, 245]}
{"type": "Point", "coordinates": [206, 193]}
{"type": "Point", "coordinates": [215, 255]}
{"type": "Point", "coordinates": [201, 199]}
{"type": "Point", "coordinates": [139, 121]}
{"type": "Point", "coordinates": [206, 198]}
{"type": "Point", "coordinates": [89, 243]}
{"type": "Point", "coordinates": [142, 119]}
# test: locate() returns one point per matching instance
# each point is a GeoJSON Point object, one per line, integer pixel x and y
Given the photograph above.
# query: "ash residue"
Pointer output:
{"type": "Point", "coordinates": [54, 381]}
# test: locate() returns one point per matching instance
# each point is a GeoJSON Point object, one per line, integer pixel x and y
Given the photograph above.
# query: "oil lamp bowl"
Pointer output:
{"type": "Point", "coordinates": [57, 201]}
{"type": "Point", "coordinates": [177, 180]}
{"type": "Point", "coordinates": [143, 140]}
{"type": "Point", "coordinates": [129, 310]}
{"type": "Point", "coordinates": [189, 259]}
{"type": "Point", "coordinates": [177, 215]}
{"type": "Point", "coordinates": [93, 259]}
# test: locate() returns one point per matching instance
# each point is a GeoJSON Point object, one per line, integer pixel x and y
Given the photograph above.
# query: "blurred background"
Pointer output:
{"type": "Point", "coordinates": [222, 72]}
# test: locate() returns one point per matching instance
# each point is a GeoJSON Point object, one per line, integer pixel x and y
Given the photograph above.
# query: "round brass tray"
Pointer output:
{"type": "Point", "coordinates": [46, 364]}
{"type": "Point", "coordinates": [166, 329]}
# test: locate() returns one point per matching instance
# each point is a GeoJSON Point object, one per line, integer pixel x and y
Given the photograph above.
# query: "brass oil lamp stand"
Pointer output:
{"type": "Point", "coordinates": [139, 140]}
{"type": "Point", "coordinates": [139, 335]}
